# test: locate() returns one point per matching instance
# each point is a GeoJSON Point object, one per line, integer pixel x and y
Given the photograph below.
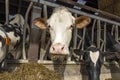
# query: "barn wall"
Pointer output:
{"type": "Point", "coordinates": [111, 6]}
{"type": "Point", "coordinates": [13, 8]}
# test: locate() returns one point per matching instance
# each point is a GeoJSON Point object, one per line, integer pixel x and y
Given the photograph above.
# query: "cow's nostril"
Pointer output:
{"type": "Point", "coordinates": [62, 48]}
{"type": "Point", "coordinates": [53, 48]}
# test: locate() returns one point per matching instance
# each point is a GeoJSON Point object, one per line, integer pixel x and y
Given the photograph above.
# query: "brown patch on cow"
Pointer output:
{"type": "Point", "coordinates": [40, 22]}
{"type": "Point", "coordinates": [7, 41]}
{"type": "Point", "coordinates": [82, 21]}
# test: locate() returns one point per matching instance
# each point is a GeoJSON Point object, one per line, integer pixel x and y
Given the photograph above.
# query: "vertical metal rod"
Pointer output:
{"type": "Point", "coordinates": [98, 33]}
{"type": "Point", "coordinates": [84, 30]}
{"type": "Point", "coordinates": [75, 36]}
{"type": "Point", "coordinates": [105, 29]}
{"type": "Point", "coordinates": [42, 52]}
{"type": "Point", "coordinates": [80, 42]}
{"type": "Point", "coordinates": [24, 29]}
{"type": "Point", "coordinates": [116, 33]}
{"type": "Point", "coordinates": [92, 35]}
{"type": "Point", "coordinates": [19, 6]}
{"type": "Point", "coordinates": [113, 27]}
{"type": "Point", "coordinates": [7, 11]}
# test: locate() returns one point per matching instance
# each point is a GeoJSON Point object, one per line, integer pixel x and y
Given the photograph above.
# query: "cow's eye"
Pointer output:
{"type": "Point", "coordinates": [70, 27]}
{"type": "Point", "coordinates": [50, 27]}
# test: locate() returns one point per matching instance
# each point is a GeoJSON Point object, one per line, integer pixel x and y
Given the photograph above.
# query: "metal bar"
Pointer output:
{"type": "Point", "coordinates": [91, 9]}
{"type": "Point", "coordinates": [92, 35]}
{"type": "Point", "coordinates": [42, 50]}
{"type": "Point", "coordinates": [7, 11]}
{"type": "Point", "coordinates": [19, 6]}
{"type": "Point", "coordinates": [98, 33]}
{"type": "Point", "coordinates": [81, 12]}
{"type": "Point", "coordinates": [79, 36]}
{"type": "Point", "coordinates": [112, 31]}
{"type": "Point", "coordinates": [116, 33]}
{"type": "Point", "coordinates": [51, 62]}
{"type": "Point", "coordinates": [24, 29]}
{"type": "Point", "coordinates": [105, 29]}
{"type": "Point", "coordinates": [17, 61]}
{"type": "Point", "coordinates": [80, 42]}
{"type": "Point", "coordinates": [83, 41]}
{"type": "Point", "coordinates": [102, 45]}
{"type": "Point", "coordinates": [75, 36]}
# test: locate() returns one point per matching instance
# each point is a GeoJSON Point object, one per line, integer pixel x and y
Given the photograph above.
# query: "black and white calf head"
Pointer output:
{"type": "Point", "coordinates": [93, 59]}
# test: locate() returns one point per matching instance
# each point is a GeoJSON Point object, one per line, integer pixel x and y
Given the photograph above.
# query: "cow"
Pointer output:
{"type": "Point", "coordinates": [93, 59]}
{"type": "Point", "coordinates": [14, 31]}
{"type": "Point", "coordinates": [112, 46]}
{"type": "Point", "coordinates": [4, 43]}
{"type": "Point", "coordinates": [60, 25]}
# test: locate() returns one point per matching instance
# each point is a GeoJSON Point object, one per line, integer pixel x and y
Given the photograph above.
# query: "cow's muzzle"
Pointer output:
{"type": "Point", "coordinates": [58, 49]}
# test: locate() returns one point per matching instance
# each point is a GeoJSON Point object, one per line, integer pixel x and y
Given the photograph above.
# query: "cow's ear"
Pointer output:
{"type": "Point", "coordinates": [82, 21]}
{"type": "Point", "coordinates": [40, 22]}
{"type": "Point", "coordinates": [78, 52]}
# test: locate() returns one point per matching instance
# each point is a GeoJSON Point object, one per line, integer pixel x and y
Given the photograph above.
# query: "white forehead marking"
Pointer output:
{"type": "Point", "coordinates": [94, 56]}
{"type": "Point", "coordinates": [61, 17]}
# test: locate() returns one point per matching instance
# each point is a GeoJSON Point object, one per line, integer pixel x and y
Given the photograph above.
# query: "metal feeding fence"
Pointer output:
{"type": "Point", "coordinates": [98, 23]}
{"type": "Point", "coordinates": [43, 8]}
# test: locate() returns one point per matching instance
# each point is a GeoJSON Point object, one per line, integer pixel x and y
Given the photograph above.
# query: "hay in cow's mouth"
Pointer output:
{"type": "Point", "coordinates": [30, 72]}
{"type": "Point", "coordinates": [60, 57]}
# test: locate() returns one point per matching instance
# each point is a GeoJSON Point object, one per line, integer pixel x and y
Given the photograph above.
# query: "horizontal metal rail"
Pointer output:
{"type": "Point", "coordinates": [79, 12]}
{"type": "Point", "coordinates": [91, 9]}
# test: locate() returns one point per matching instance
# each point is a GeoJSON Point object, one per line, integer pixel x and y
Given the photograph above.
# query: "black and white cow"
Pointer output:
{"type": "Point", "coordinates": [93, 59]}
{"type": "Point", "coordinates": [112, 46]}
{"type": "Point", "coordinates": [14, 31]}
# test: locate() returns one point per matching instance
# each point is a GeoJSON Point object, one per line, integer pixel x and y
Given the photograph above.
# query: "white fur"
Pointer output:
{"type": "Point", "coordinates": [13, 39]}
{"type": "Point", "coordinates": [60, 21]}
{"type": "Point", "coordinates": [2, 34]}
{"type": "Point", "coordinates": [94, 56]}
{"type": "Point", "coordinates": [18, 19]}
{"type": "Point", "coordinates": [2, 52]}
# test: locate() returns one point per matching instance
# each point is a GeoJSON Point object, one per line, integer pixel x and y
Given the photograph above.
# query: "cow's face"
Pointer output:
{"type": "Point", "coordinates": [60, 25]}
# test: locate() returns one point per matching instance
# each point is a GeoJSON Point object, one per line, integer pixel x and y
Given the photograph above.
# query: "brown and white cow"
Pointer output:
{"type": "Point", "coordinates": [60, 26]}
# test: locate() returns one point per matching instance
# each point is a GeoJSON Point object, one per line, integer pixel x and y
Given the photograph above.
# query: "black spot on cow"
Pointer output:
{"type": "Point", "coordinates": [2, 40]}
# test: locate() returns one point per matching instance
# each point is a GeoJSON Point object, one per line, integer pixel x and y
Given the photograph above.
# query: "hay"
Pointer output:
{"type": "Point", "coordinates": [30, 72]}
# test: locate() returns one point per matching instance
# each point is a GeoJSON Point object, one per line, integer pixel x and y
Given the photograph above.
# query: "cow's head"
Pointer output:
{"type": "Point", "coordinates": [18, 20]}
{"type": "Point", "coordinates": [93, 59]}
{"type": "Point", "coordinates": [60, 25]}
